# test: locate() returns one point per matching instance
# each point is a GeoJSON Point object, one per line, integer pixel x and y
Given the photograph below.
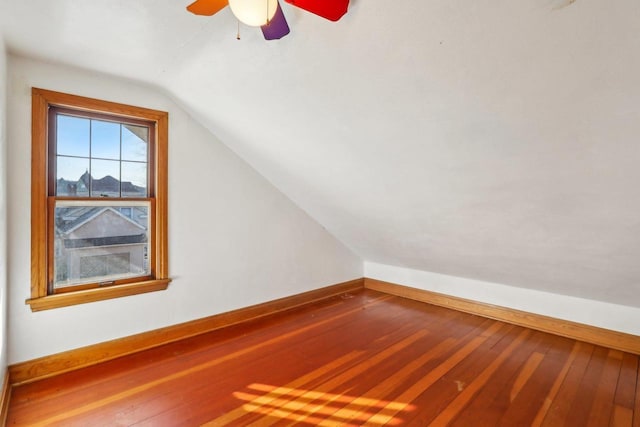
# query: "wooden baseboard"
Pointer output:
{"type": "Point", "coordinates": [48, 366]}
{"type": "Point", "coordinates": [5, 398]}
{"type": "Point", "coordinates": [591, 334]}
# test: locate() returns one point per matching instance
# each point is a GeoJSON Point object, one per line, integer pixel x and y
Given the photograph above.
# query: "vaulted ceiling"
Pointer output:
{"type": "Point", "coordinates": [495, 140]}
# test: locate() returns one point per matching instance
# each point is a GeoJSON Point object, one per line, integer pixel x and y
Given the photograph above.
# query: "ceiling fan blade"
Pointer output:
{"type": "Point", "coordinates": [277, 28]}
{"type": "Point", "coordinates": [328, 9]}
{"type": "Point", "coordinates": [207, 7]}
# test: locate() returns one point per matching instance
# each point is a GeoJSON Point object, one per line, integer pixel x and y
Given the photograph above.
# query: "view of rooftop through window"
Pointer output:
{"type": "Point", "coordinates": [97, 158]}
{"type": "Point", "coordinates": [100, 241]}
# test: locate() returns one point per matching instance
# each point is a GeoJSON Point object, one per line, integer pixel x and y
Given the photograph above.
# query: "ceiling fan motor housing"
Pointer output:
{"type": "Point", "coordinates": [254, 13]}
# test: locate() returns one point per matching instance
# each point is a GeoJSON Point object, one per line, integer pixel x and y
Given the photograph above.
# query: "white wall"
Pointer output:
{"type": "Point", "coordinates": [596, 313]}
{"type": "Point", "coordinates": [234, 239]}
{"type": "Point", "coordinates": [3, 213]}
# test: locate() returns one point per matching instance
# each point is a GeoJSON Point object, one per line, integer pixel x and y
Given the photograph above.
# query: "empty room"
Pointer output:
{"type": "Point", "coordinates": [320, 213]}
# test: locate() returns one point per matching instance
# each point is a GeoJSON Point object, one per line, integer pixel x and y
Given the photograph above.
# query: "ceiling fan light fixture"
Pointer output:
{"type": "Point", "coordinates": [254, 13]}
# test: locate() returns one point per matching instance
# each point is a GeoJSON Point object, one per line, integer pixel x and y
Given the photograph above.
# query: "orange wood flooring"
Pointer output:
{"type": "Point", "coordinates": [360, 359]}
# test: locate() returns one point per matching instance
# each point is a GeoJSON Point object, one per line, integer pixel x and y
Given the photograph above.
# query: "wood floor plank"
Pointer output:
{"type": "Point", "coordinates": [364, 359]}
{"type": "Point", "coordinates": [555, 388]}
{"type": "Point", "coordinates": [602, 406]}
{"type": "Point", "coordinates": [526, 405]}
{"type": "Point", "coordinates": [442, 383]}
{"type": "Point", "coordinates": [525, 374]}
{"type": "Point", "coordinates": [621, 417]}
{"type": "Point", "coordinates": [562, 405]}
{"type": "Point", "coordinates": [636, 409]}
{"type": "Point", "coordinates": [487, 407]}
{"type": "Point", "coordinates": [626, 388]}
{"type": "Point", "coordinates": [456, 406]}
{"type": "Point", "coordinates": [588, 389]}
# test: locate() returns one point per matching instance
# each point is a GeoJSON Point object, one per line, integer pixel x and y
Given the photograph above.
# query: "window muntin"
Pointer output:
{"type": "Point", "coordinates": [140, 149]}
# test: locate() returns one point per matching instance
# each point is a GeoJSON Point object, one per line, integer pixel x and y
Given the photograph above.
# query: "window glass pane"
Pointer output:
{"type": "Point", "coordinates": [134, 143]}
{"type": "Point", "coordinates": [105, 180]}
{"type": "Point", "coordinates": [100, 242]}
{"type": "Point", "coordinates": [72, 136]}
{"type": "Point", "coordinates": [72, 176]}
{"type": "Point", "coordinates": [134, 179]}
{"type": "Point", "coordinates": [105, 140]}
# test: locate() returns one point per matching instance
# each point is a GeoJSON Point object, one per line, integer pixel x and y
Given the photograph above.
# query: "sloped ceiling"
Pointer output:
{"type": "Point", "coordinates": [495, 140]}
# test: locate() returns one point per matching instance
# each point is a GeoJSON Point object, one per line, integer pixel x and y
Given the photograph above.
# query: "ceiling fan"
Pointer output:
{"type": "Point", "coordinates": [267, 14]}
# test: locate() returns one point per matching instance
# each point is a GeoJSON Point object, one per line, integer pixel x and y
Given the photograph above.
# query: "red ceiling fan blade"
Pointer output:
{"type": "Point", "coordinates": [328, 9]}
{"type": "Point", "coordinates": [277, 28]}
{"type": "Point", "coordinates": [207, 7]}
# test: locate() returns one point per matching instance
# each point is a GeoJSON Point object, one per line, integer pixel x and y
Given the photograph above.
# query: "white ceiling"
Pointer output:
{"type": "Point", "coordinates": [495, 140]}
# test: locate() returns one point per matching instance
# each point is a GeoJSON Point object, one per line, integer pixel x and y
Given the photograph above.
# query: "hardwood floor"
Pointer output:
{"type": "Point", "coordinates": [359, 359]}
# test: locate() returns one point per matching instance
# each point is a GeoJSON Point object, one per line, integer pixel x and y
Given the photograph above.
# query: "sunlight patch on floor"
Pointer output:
{"type": "Point", "coordinates": [320, 408]}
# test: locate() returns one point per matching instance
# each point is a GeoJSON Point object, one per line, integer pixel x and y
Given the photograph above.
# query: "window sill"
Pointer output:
{"type": "Point", "coordinates": [91, 295]}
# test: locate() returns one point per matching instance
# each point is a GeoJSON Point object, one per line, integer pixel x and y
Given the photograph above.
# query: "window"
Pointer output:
{"type": "Point", "coordinates": [98, 200]}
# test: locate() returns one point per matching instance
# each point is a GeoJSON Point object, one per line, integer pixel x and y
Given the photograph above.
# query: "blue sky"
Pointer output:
{"type": "Point", "coordinates": [103, 147]}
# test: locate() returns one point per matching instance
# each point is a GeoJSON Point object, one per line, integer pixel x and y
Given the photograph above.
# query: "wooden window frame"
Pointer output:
{"type": "Point", "coordinates": [42, 218]}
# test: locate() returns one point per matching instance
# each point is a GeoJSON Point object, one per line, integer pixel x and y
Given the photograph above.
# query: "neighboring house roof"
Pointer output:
{"type": "Point", "coordinates": [72, 220]}
{"type": "Point", "coordinates": [109, 184]}
{"type": "Point", "coordinates": [67, 219]}
{"type": "Point", "coordinates": [106, 185]}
